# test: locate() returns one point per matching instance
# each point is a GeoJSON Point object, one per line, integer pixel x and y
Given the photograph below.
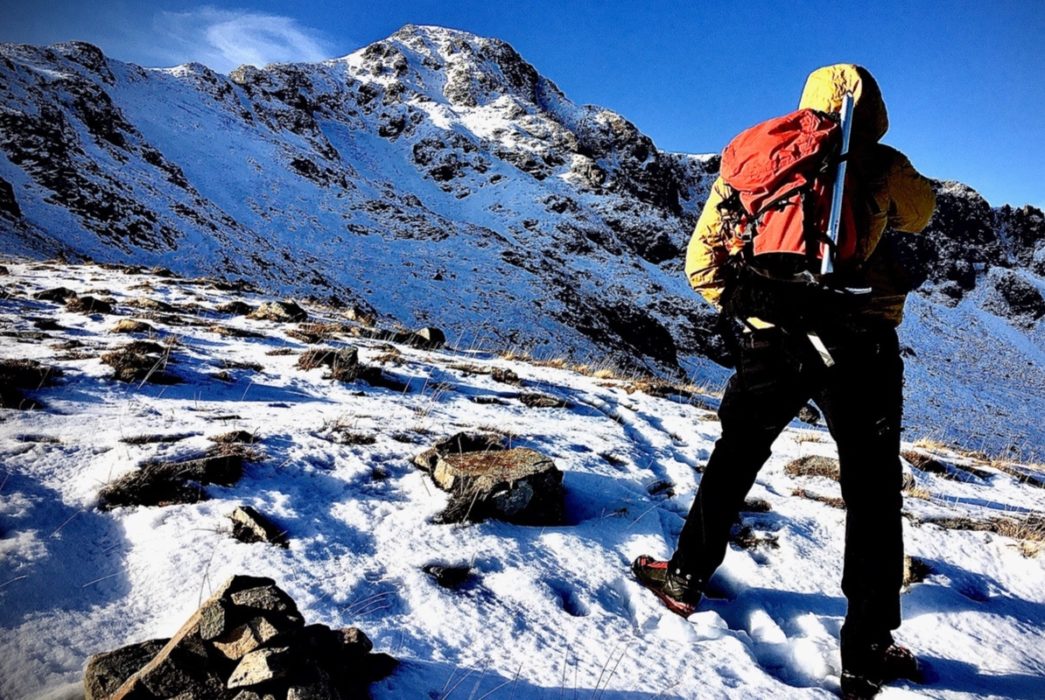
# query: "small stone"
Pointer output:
{"type": "Point", "coordinates": [809, 414]}
{"type": "Point", "coordinates": [280, 311]}
{"type": "Point", "coordinates": [130, 325]}
{"type": "Point", "coordinates": [248, 525]}
{"type": "Point", "coordinates": [448, 576]}
{"type": "Point", "coordinates": [505, 375]}
{"type": "Point", "coordinates": [428, 338]}
{"type": "Point", "coordinates": [542, 401]}
{"type": "Point", "coordinates": [236, 308]}
{"type": "Point", "coordinates": [260, 666]}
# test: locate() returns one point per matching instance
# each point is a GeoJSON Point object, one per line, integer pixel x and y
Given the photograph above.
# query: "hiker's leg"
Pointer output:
{"type": "Point", "coordinates": [760, 400]}
{"type": "Point", "coordinates": [863, 404]}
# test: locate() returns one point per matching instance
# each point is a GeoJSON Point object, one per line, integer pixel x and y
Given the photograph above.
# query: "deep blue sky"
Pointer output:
{"type": "Point", "coordinates": [964, 81]}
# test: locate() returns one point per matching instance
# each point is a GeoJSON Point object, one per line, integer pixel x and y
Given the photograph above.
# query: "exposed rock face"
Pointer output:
{"type": "Point", "coordinates": [247, 640]}
{"type": "Point", "coordinates": [517, 485]}
{"type": "Point", "coordinates": [1014, 298]}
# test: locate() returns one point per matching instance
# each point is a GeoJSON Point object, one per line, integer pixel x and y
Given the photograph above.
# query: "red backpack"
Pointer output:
{"type": "Point", "coordinates": [781, 172]}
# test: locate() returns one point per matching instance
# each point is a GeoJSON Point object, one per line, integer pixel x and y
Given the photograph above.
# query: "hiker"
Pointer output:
{"type": "Point", "coordinates": [837, 345]}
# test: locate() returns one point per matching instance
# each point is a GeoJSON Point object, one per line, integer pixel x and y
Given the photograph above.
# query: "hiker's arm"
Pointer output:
{"type": "Point", "coordinates": [709, 247]}
{"type": "Point", "coordinates": [913, 199]}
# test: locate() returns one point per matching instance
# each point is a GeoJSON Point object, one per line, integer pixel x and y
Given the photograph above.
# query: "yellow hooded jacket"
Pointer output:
{"type": "Point", "coordinates": [893, 194]}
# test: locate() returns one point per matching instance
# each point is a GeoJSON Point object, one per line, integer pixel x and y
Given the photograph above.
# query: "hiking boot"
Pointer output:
{"type": "Point", "coordinates": [863, 677]}
{"type": "Point", "coordinates": [679, 593]}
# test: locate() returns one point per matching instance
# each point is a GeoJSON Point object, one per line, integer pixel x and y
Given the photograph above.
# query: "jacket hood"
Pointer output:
{"type": "Point", "coordinates": [825, 87]}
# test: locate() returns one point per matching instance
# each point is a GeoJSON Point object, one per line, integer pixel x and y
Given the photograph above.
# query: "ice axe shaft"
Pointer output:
{"type": "Point", "coordinates": [834, 219]}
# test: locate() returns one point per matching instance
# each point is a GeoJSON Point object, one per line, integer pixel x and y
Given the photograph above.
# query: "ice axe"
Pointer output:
{"type": "Point", "coordinates": [834, 219]}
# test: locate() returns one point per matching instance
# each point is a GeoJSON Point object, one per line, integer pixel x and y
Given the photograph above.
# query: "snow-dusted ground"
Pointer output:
{"type": "Point", "coordinates": [553, 612]}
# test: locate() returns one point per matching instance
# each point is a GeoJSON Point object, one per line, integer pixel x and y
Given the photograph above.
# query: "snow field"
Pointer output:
{"type": "Point", "coordinates": [550, 612]}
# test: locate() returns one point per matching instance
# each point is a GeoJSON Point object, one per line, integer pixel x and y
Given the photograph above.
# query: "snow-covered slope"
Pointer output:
{"type": "Point", "coordinates": [550, 612]}
{"type": "Point", "coordinates": [436, 178]}
{"type": "Point", "coordinates": [434, 174]}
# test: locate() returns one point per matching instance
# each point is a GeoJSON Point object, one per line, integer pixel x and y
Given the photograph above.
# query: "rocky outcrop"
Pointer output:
{"type": "Point", "coordinates": [247, 640]}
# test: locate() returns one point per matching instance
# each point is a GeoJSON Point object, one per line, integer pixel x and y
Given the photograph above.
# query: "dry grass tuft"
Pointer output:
{"type": "Point", "coordinates": [813, 465]}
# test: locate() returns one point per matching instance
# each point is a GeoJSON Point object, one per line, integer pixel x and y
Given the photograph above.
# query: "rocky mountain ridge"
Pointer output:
{"type": "Point", "coordinates": [433, 176]}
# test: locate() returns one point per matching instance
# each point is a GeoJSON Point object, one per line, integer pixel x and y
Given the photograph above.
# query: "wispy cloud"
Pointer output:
{"type": "Point", "coordinates": [224, 39]}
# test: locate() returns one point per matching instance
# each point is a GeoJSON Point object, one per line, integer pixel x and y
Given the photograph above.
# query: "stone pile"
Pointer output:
{"type": "Point", "coordinates": [486, 479]}
{"type": "Point", "coordinates": [246, 642]}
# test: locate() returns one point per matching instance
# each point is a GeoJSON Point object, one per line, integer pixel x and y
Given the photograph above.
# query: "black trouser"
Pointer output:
{"type": "Point", "coordinates": [861, 397]}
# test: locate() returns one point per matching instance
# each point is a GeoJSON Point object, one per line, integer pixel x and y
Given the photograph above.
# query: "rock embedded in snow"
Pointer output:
{"type": "Point", "coordinates": [534, 400]}
{"type": "Point", "coordinates": [248, 525]}
{"type": "Point", "coordinates": [236, 308]}
{"type": "Point", "coordinates": [517, 485]}
{"type": "Point", "coordinates": [458, 444]}
{"type": "Point", "coordinates": [809, 414]}
{"type": "Point", "coordinates": [89, 305]}
{"type": "Point", "coordinates": [279, 311]}
{"type": "Point", "coordinates": [428, 338]}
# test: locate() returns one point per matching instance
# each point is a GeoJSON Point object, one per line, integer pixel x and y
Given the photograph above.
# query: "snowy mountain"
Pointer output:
{"type": "Point", "coordinates": [436, 178]}
{"type": "Point", "coordinates": [432, 175]}
{"type": "Point", "coordinates": [536, 613]}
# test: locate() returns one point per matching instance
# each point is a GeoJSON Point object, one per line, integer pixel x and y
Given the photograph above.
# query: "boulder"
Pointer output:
{"type": "Point", "coordinates": [518, 485]}
{"type": "Point", "coordinates": [458, 444]}
{"type": "Point", "coordinates": [279, 311]}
